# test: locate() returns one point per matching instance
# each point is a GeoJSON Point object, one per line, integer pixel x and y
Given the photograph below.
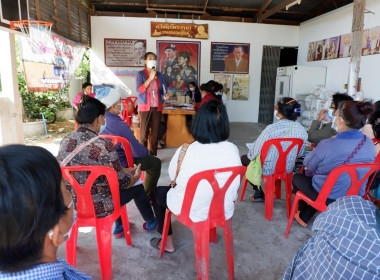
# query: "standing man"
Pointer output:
{"type": "Point", "coordinates": [140, 50]}
{"type": "Point", "coordinates": [151, 89]}
{"type": "Point", "coordinates": [238, 63]}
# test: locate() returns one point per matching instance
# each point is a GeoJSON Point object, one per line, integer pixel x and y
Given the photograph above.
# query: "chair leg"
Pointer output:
{"type": "Point", "coordinates": [201, 240]}
{"type": "Point", "coordinates": [229, 239]}
{"type": "Point", "coordinates": [269, 196]}
{"type": "Point", "coordinates": [71, 247]}
{"type": "Point", "coordinates": [165, 230]}
{"type": "Point", "coordinates": [293, 212]}
{"type": "Point", "coordinates": [124, 219]}
{"type": "Point", "coordinates": [213, 235]}
{"type": "Point", "coordinates": [288, 190]}
{"type": "Point", "coordinates": [243, 189]}
{"type": "Point", "coordinates": [278, 189]}
{"type": "Point", "coordinates": [104, 240]}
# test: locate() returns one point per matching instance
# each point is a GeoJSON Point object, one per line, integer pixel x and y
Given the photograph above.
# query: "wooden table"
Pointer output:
{"type": "Point", "coordinates": [177, 132]}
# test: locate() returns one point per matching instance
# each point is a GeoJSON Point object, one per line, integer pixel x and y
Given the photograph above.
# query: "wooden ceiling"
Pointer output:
{"type": "Point", "coordinates": [261, 11]}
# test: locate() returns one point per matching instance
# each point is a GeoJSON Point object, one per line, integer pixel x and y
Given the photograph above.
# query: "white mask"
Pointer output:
{"type": "Point", "coordinates": [151, 63]}
{"type": "Point", "coordinates": [275, 115]}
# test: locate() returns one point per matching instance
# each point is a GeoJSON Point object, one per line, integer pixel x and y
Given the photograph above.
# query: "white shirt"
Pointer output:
{"type": "Point", "coordinates": [200, 157]}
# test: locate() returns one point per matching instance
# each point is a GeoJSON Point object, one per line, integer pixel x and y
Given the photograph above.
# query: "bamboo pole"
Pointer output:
{"type": "Point", "coordinates": [356, 48]}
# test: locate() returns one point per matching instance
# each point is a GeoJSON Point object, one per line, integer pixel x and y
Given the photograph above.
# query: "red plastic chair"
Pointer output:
{"type": "Point", "coordinates": [129, 104]}
{"type": "Point", "coordinates": [86, 215]}
{"type": "Point", "coordinates": [127, 149]}
{"type": "Point", "coordinates": [320, 203]}
{"type": "Point", "coordinates": [274, 181]}
{"type": "Point", "coordinates": [378, 143]}
{"type": "Point", "coordinates": [205, 231]}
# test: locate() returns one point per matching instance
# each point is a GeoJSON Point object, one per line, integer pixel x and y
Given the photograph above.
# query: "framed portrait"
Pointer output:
{"type": "Point", "coordinates": [345, 45]}
{"type": "Point", "coordinates": [124, 52]}
{"type": "Point", "coordinates": [179, 62]}
{"type": "Point", "coordinates": [371, 41]}
{"type": "Point", "coordinates": [225, 81]}
{"type": "Point", "coordinates": [330, 48]}
{"type": "Point", "coordinates": [240, 87]}
{"type": "Point", "coordinates": [229, 58]}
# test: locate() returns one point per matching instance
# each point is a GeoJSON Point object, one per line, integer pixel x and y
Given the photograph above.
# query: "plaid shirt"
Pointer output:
{"type": "Point", "coordinates": [280, 129]}
{"type": "Point", "coordinates": [345, 244]}
{"type": "Point", "coordinates": [47, 271]}
{"type": "Point", "coordinates": [100, 152]}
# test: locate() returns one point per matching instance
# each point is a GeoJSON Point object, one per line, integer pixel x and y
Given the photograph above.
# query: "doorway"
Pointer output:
{"type": "Point", "coordinates": [273, 57]}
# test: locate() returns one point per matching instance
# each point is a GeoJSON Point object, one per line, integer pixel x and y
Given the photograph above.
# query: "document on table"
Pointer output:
{"type": "Point", "coordinates": [169, 108]}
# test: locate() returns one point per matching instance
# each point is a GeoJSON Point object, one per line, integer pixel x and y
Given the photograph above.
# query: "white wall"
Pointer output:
{"type": "Point", "coordinates": [337, 23]}
{"type": "Point", "coordinates": [257, 35]}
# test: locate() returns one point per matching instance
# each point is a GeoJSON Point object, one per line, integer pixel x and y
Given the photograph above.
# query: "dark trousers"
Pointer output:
{"type": "Point", "coordinates": [152, 166]}
{"type": "Point", "coordinates": [304, 184]}
{"type": "Point", "coordinates": [137, 193]}
{"type": "Point", "coordinates": [150, 119]}
{"type": "Point", "coordinates": [245, 161]}
{"type": "Point", "coordinates": [159, 206]}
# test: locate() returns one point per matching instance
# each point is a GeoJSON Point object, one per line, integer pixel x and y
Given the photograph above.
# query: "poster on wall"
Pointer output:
{"type": "Point", "coordinates": [124, 52]}
{"type": "Point", "coordinates": [185, 30]}
{"type": "Point", "coordinates": [225, 80]}
{"type": "Point", "coordinates": [229, 57]}
{"type": "Point", "coordinates": [240, 87]}
{"type": "Point", "coordinates": [311, 51]}
{"type": "Point", "coordinates": [371, 41]}
{"type": "Point", "coordinates": [179, 62]}
{"type": "Point", "coordinates": [345, 45]}
{"type": "Point", "coordinates": [330, 48]}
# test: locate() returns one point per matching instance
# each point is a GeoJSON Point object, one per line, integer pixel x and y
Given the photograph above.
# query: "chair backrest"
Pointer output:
{"type": "Point", "coordinates": [125, 145]}
{"type": "Point", "coordinates": [352, 171]}
{"type": "Point", "coordinates": [282, 155]}
{"type": "Point", "coordinates": [216, 213]}
{"type": "Point", "coordinates": [85, 205]}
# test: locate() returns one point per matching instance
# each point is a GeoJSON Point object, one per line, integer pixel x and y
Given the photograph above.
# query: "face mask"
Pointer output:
{"type": "Point", "coordinates": [151, 63]}
{"type": "Point", "coordinates": [121, 108]}
{"type": "Point", "coordinates": [275, 115]}
{"type": "Point", "coordinates": [330, 114]}
{"type": "Point", "coordinates": [103, 126]}
{"type": "Point", "coordinates": [333, 125]}
{"type": "Point", "coordinates": [191, 89]}
{"type": "Point", "coordinates": [67, 235]}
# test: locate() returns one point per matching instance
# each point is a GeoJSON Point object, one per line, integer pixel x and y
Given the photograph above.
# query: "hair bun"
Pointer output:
{"type": "Point", "coordinates": [366, 108]}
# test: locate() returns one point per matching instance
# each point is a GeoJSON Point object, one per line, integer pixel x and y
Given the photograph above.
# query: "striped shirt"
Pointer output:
{"type": "Point", "coordinates": [281, 129]}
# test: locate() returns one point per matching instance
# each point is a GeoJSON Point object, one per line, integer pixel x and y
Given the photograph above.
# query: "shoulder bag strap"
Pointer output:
{"type": "Point", "coordinates": [77, 150]}
{"type": "Point", "coordinates": [356, 150]}
{"type": "Point", "coordinates": [181, 156]}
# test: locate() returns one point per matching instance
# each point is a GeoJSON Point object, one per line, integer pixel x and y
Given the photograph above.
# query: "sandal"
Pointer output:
{"type": "Point", "coordinates": [154, 243]}
{"type": "Point", "coordinates": [256, 198]}
{"type": "Point", "coordinates": [299, 220]}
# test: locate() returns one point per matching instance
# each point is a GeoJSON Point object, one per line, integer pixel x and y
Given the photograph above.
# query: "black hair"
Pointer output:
{"type": "Point", "coordinates": [218, 87]}
{"type": "Point", "coordinates": [185, 55]}
{"type": "Point", "coordinates": [211, 124]}
{"type": "Point", "coordinates": [289, 108]}
{"type": "Point", "coordinates": [194, 84]}
{"type": "Point", "coordinates": [355, 113]}
{"type": "Point", "coordinates": [31, 203]}
{"type": "Point", "coordinates": [140, 41]}
{"type": "Point", "coordinates": [339, 97]}
{"type": "Point", "coordinates": [89, 109]}
{"type": "Point", "coordinates": [206, 87]}
{"type": "Point", "coordinates": [375, 120]}
{"type": "Point", "coordinates": [86, 84]}
{"type": "Point", "coordinates": [148, 53]}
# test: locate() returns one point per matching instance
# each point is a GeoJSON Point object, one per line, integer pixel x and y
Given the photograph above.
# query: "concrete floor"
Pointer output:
{"type": "Point", "coordinates": [260, 249]}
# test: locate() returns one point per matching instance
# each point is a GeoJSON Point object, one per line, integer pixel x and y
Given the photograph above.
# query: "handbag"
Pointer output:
{"type": "Point", "coordinates": [254, 168]}
{"type": "Point", "coordinates": [179, 163]}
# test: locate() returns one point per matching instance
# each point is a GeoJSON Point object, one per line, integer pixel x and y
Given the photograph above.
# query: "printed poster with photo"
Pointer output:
{"type": "Point", "coordinates": [371, 41]}
{"type": "Point", "coordinates": [229, 57]}
{"type": "Point", "coordinates": [124, 52]}
{"type": "Point", "coordinates": [179, 62]}
{"type": "Point", "coordinates": [240, 87]}
{"type": "Point", "coordinates": [330, 48]}
{"type": "Point", "coordinates": [225, 80]}
{"type": "Point", "coordinates": [345, 45]}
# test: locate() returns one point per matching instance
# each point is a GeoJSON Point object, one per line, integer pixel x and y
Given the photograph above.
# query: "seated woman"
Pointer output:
{"type": "Point", "coordinates": [348, 146]}
{"type": "Point", "coordinates": [178, 83]}
{"type": "Point", "coordinates": [287, 110]}
{"type": "Point", "coordinates": [100, 152]}
{"type": "Point", "coordinates": [209, 150]}
{"type": "Point", "coordinates": [317, 132]}
{"type": "Point", "coordinates": [207, 95]}
{"type": "Point", "coordinates": [372, 128]}
{"type": "Point", "coordinates": [115, 126]}
{"type": "Point", "coordinates": [194, 93]}
{"type": "Point", "coordinates": [36, 215]}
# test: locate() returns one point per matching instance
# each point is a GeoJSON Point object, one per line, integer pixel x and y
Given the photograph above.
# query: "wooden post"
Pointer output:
{"type": "Point", "coordinates": [356, 47]}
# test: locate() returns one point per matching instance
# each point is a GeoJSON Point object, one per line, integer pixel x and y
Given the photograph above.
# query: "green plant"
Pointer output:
{"type": "Point", "coordinates": [83, 69]}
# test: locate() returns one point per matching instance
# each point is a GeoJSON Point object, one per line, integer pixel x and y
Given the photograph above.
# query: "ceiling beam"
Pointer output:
{"type": "Point", "coordinates": [202, 17]}
{"type": "Point", "coordinates": [263, 7]}
{"type": "Point", "coordinates": [147, 3]}
{"type": "Point", "coordinates": [275, 9]}
{"type": "Point", "coordinates": [205, 7]}
{"type": "Point", "coordinates": [176, 11]}
{"type": "Point", "coordinates": [321, 9]}
{"type": "Point", "coordinates": [166, 6]}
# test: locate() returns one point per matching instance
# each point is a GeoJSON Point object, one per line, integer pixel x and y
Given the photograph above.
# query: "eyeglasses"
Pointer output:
{"type": "Point", "coordinates": [332, 107]}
